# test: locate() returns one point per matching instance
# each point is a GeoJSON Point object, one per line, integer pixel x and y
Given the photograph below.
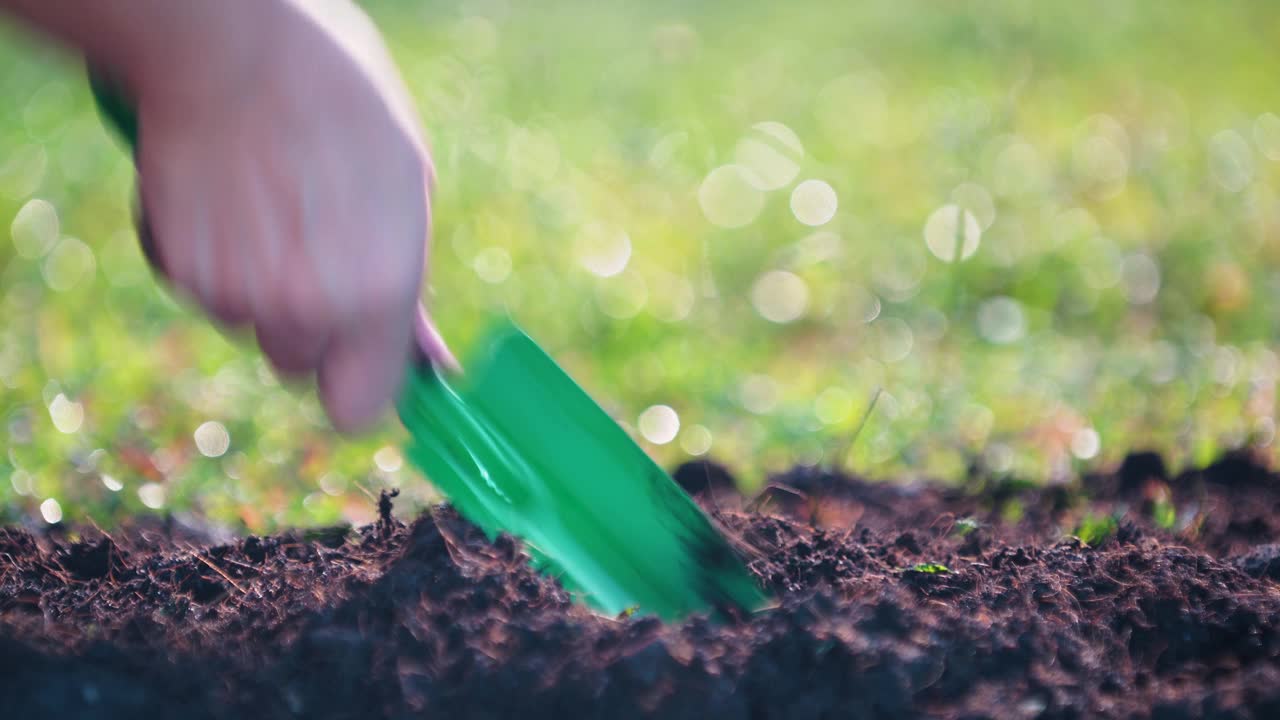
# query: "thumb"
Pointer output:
{"type": "Point", "coordinates": [363, 368]}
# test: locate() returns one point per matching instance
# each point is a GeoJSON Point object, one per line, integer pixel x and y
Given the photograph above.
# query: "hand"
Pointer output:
{"type": "Point", "coordinates": [286, 187]}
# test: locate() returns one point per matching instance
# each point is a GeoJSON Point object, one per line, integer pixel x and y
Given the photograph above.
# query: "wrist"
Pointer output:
{"type": "Point", "coordinates": [148, 46]}
{"type": "Point", "coordinates": [198, 48]}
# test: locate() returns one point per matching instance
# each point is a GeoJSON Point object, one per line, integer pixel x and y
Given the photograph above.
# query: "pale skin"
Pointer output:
{"type": "Point", "coordinates": [282, 173]}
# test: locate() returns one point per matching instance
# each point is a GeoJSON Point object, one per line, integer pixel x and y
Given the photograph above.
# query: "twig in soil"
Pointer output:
{"type": "Point", "coordinates": [763, 496]}
{"type": "Point", "coordinates": [56, 571]}
{"type": "Point", "coordinates": [710, 496]}
{"type": "Point", "coordinates": [92, 597]}
{"type": "Point", "coordinates": [451, 545]}
{"type": "Point", "coordinates": [367, 493]}
{"type": "Point", "coordinates": [101, 532]}
{"type": "Point", "coordinates": [243, 566]}
{"type": "Point", "coordinates": [225, 576]}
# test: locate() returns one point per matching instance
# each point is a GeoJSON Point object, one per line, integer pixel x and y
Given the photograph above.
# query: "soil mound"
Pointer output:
{"type": "Point", "coordinates": [892, 601]}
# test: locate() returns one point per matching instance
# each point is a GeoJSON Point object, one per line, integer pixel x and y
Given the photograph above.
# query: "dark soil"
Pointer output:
{"type": "Point", "coordinates": [892, 601]}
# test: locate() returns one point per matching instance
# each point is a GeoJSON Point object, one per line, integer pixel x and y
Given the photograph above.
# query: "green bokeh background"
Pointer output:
{"type": "Point", "coordinates": [1115, 163]}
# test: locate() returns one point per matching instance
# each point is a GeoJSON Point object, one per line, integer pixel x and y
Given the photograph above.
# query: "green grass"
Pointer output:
{"type": "Point", "coordinates": [1107, 143]}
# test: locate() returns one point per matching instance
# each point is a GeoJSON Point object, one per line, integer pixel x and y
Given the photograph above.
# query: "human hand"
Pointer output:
{"type": "Point", "coordinates": [285, 186]}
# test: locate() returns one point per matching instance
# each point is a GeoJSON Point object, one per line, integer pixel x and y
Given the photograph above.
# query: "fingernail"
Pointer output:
{"type": "Point", "coordinates": [431, 344]}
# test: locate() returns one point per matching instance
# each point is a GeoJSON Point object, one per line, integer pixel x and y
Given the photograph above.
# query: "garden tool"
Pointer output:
{"type": "Point", "coordinates": [518, 447]}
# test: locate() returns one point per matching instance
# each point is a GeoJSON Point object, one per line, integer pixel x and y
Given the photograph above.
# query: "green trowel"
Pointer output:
{"type": "Point", "coordinates": [518, 447]}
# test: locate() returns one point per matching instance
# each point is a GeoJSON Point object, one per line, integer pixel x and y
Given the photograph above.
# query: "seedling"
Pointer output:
{"type": "Point", "coordinates": [1096, 529]}
{"type": "Point", "coordinates": [1165, 514]}
{"type": "Point", "coordinates": [930, 568]}
{"type": "Point", "coordinates": [966, 525]}
{"type": "Point", "coordinates": [1012, 511]}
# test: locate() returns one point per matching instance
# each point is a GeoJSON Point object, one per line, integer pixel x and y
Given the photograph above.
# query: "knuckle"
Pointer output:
{"type": "Point", "coordinates": [389, 279]}
{"type": "Point", "coordinates": [228, 307]}
{"type": "Point", "coordinates": [393, 290]}
{"type": "Point", "coordinates": [302, 304]}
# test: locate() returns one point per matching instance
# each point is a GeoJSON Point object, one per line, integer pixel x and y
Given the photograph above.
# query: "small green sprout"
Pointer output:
{"type": "Point", "coordinates": [966, 525]}
{"type": "Point", "coordinates": [930, 568]}
{"type": "Point", "coordinates": [628, 612]}
{"type": "Point", "coordinates": [1165, 514]}
{"type": "Point", "coordinates": [1012, 511]}
{"type": "Point", "coordinates": [1096, 529]}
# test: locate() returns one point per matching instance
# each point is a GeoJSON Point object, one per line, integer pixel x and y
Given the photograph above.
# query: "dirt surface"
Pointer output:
{"type": "Point", "coordinates": [892, 601]}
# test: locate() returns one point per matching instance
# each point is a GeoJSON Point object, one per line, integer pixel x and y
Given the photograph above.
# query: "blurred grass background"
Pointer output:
{"type": "Point", "coordinates": [1046, 233]}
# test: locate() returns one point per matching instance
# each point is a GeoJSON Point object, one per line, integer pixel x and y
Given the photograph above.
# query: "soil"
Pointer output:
{"type": "Point", "coordinates": [892, 600]}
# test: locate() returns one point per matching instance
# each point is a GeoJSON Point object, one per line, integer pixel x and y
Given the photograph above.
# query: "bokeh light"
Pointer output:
{"type": "Point", "coordinates": [1085, 443]}
{"type": "Point", "coordinates": [1141, 277]}
{"type": "Point", "coordinates": [152, 495]}
{"type": "Point", "coordinates": [814, 202]}
{"type": "Point", "coordinates": [896, 339]}
{"type": "Point", "coordinates": [780, 296]}
{"type": "Point", "coordinates": [976, 201]}
{"type": "Point", "coordinates": [388, 459]}
{"type": "Point", "coordinates": [35, 228]}
{"type": "Point", "coordinates": [212, 439]}
{"type": "Point", "coordinates": [51, 511]}
{"type": "Point", "coordinates": [70, 262]}
{"type": "Point", "coordinates": [1001, 320]}
{"type": "Point", "coordinates": [602, 250]}
{"type": "Point", "coordinates": [1043, 243]}
{"type": "Point", "coordinates": [952, 233]}
{"type": "Point", "coordinates": [67, 415]}
{"type": "Point", "coordinates": [728, 197]}
{"type": "Point", "coordinates": [696, 440]}
{"type": "Point", "coordinates": [770, 154]}
{"type": "Point", "coordinates": [659, 424]}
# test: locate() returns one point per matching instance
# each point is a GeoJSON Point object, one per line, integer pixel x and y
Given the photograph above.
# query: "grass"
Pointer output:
{"type": "Point", "coordinates": [1114, 165]}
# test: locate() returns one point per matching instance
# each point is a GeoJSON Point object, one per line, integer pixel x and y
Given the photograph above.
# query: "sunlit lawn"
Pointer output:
{"type": "Point", "coordinates": [1046, 232]}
